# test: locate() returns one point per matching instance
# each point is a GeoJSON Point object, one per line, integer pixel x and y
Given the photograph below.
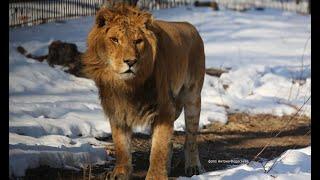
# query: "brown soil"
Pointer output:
{"type": "Point", "coordinates": [240, 139]}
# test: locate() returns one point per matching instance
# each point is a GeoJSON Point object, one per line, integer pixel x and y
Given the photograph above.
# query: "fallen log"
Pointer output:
{"type": "Point", "coordinates": [212, 4]}
{"type": "Point", "coordinates": [215, 72]}
{"type": "Point", "coordinates": [67, 55]}
{"type": "Point", "coordinates": [21, 50]}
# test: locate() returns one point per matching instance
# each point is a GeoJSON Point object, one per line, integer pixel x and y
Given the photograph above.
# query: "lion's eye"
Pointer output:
{"type": "Point", "coordinates": [113, 39]}
{"type": "Point", "coordinates": [138, 41]}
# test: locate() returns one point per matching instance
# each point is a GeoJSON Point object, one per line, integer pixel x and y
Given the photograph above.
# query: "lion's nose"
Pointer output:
{"type": "Point", "coordinates": [130, 62]}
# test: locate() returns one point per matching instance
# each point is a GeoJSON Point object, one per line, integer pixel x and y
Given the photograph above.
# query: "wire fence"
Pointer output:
{"type": "Point", "coordinates": [300, 6]}
{"type": "Point", "coordinates": [32, 12]}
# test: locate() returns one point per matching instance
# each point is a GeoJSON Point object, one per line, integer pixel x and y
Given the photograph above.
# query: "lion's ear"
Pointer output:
{"type": "Point", "coordinates": [104, 15]}
{"type": "Point", "coordinates": [146, 19]}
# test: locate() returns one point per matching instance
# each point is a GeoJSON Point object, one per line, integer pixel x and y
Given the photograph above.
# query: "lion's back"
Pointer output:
{"type": "Point", "coordinates": [183, 53]}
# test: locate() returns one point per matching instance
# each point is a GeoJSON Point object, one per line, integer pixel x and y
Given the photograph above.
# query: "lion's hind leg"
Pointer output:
{"type": "Point", "coordinates": [192, 114]}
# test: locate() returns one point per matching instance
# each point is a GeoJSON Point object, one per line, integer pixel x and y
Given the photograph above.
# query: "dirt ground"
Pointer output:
{"type": "Point", "coordinates": [238, 140]}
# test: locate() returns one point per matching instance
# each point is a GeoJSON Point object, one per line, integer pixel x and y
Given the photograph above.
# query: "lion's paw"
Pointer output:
{"type": "Point", "coordinates": [119, 173]}
{"type": "Point", "coordinates": [156, 176]}
{"type": "Point", "coordinates": [193, 170]}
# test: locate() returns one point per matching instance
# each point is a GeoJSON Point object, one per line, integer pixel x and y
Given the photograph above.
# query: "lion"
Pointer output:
{"type": "Point", "coordinates": [147, 71]}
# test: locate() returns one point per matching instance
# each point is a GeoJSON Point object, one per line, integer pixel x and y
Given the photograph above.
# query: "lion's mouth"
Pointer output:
{"type": "Point", "coordinates": [128, 71]}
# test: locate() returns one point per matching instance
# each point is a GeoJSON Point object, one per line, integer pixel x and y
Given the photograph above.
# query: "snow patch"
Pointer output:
{"type": "Point", "coordinates": [292, 164]}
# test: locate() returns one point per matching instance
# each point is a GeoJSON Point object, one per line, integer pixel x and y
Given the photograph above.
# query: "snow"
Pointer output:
{"type": "Point", "coordinates": [54, 151]}
{"type": "Point", "coordinates": [292, 164]}
{"type": "Point", "coordinates": [54, 116]}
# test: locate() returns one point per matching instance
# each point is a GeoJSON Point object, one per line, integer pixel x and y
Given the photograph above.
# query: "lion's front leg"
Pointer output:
{"type": "Point", "coordinates": [160, 150]}
{"type": "Point", "coordinates": [122, 142]}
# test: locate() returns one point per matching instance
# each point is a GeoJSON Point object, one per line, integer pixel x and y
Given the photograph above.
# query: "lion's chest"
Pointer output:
{"type": "Point", "coordinates": [140, 113]}
{"type": "Point", "coordinates": [135, 109]}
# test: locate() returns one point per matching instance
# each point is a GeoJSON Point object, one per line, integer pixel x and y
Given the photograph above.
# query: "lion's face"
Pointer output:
{"type": "Point", "coordinates": [123, 46]}
{"type": "Point", "coordinates": [125, 50]}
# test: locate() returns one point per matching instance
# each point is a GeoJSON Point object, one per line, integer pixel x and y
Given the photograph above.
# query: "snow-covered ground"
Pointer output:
{"type": "Point", "coordinates": [54, 117]}
{"type": "Point", "coordinates": [291, 165]}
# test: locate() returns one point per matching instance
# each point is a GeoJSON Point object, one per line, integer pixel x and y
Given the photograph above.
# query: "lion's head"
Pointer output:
{"type": "Point", "coordinates": [121, 47]}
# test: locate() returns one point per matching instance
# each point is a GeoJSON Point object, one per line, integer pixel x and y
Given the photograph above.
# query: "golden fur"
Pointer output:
{"type": "Point", "coordinates": [166, 75]}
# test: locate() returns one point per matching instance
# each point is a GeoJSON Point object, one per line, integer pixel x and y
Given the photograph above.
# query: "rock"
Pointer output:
{"type": "Point", "coordinates": [67, 55]}
{"type": "Point", "coordinates": [60, 53]}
